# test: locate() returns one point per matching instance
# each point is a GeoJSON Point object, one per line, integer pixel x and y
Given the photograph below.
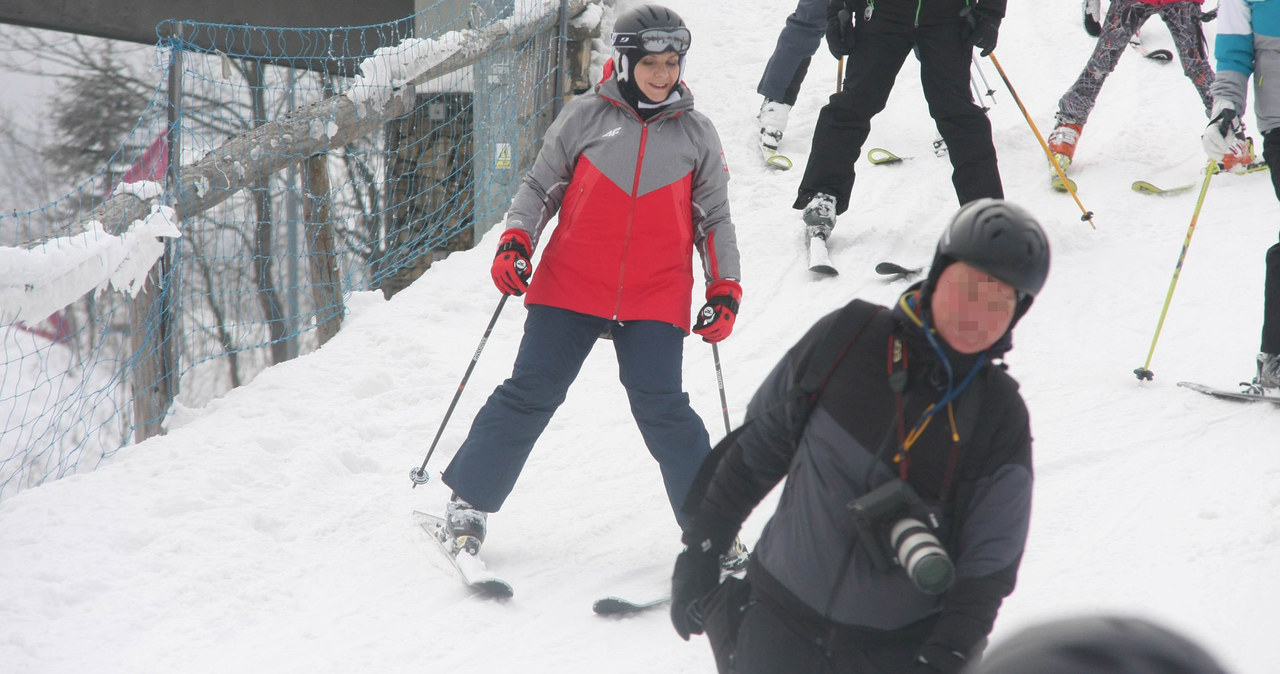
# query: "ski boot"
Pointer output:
{"type": "Point", "coordinates": [773, 122]}
{"type": "Point", "coordinates": [465, 526]}
{"type": "Point", "coordinates": [1062, 145]}
{"type": "Point", "coordinates": [820, 216]}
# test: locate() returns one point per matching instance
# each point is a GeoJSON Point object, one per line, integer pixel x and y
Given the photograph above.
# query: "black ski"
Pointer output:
{"type": "Point", "coordinates": [470, 569]}
{"type": "Point", "coordinates": [1242, 396]}
{"type": "Point", "coordinates": [609, 606]}
{"type": "Point", "coordinates": [1161, 55]}
{"type": "Point", "coordinates": [897, 271]}
{"type": "Point", "coordinates": [618, 606]}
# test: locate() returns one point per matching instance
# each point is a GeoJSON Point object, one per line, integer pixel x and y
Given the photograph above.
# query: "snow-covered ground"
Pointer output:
{"type": "Point", "coordinates": [271, 531]}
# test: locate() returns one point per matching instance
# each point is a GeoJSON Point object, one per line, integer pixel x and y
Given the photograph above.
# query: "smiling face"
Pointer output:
{"type": "Point", "coordinates": [971, 309]}
{"type": "Point", "coordinates": [657, 74]}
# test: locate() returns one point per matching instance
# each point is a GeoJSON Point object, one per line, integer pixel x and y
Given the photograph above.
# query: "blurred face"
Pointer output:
{"type": "Point", "coordinates": [971, 309]}
{"type": "Point", "coordinates": [657, 75]}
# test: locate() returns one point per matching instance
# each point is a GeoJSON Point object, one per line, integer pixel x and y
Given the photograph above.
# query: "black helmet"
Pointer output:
{"type": "Point", "coordinates": [650, 29]}
{"type": "Point", "coordinates": [999, 238]}
{"type": "Point", "coordinates": [1098, 644]}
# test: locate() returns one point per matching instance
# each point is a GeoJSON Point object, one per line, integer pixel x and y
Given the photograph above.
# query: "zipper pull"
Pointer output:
{"type": "Point", "coordinates": [871, 7]}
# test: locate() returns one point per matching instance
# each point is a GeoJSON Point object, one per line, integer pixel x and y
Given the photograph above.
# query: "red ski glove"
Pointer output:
{"type": "Point", "coordinates": [715, 318]}
{"type": "Point", "coordinates": [511, 267]}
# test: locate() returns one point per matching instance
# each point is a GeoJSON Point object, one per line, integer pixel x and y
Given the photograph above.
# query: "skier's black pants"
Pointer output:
{"type": "Point", "coordinates": [844, 123]}
{"type": "Point", "coordinates": [771, 641]}
{"type": "Point", "coordinates": [1271, 301]}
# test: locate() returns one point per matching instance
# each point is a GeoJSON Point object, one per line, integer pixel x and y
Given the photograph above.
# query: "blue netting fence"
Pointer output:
{"type": "Point", "coordinates": [311, 163]}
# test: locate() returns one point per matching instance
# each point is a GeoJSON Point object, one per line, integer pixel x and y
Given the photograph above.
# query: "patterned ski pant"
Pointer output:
{"type": "Point", "coordinates": [1123, 20]}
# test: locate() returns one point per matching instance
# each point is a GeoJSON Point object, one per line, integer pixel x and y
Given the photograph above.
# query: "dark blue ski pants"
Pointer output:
{"type": "Point", "coordinates": [555, 344]}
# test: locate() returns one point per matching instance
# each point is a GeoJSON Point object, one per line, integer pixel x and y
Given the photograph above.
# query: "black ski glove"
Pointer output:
{"type": "Point", "coordinates": [980, 28]}
{"type": "Point", "coordinates": [839, 29]}
{"type": "Point", "coordinates": [697, 573]}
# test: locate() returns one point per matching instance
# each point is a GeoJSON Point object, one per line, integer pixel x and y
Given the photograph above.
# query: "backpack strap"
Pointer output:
{"type": "Point", "coordinates": [849, 325]}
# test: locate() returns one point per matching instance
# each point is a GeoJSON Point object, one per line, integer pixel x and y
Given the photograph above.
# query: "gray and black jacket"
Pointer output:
{"type": "Point", "coordinates": [808, 557]}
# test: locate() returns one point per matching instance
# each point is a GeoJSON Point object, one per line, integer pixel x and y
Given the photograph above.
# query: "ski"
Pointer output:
{"type": "Point", "coordinates": [879, 156]}
{"type": "Point", "coordinates": [609, 606]}
{"type": "Point", "coordinates": [1243, 396]}
{"type": "Point", "coordinates": [1059, 186]}
{"type": "Point", "coordinates": [1055, 180]}
{"type": "Point", "coordinates": [897, 271]}
{"type": "Point", "coordinates": [469, 567]}
{"type": "Point", "coordinates": [1144, 187]}
{"type": "Point", "coordinates": [1160, 55]}
{"type": "Point", "coordinates": [820, 257]}
{"type": "Point", "coordinates": [773, 159]}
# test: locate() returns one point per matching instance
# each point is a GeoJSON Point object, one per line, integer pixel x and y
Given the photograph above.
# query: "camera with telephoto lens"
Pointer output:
{"type": "Point", "coordinates": [896, 527]}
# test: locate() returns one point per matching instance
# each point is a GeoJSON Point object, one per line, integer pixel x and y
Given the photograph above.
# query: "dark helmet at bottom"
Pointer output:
{"type": "Point", "coordinates": [999, 238]}
{"type": "Point", "coordinates": [1098, 645]}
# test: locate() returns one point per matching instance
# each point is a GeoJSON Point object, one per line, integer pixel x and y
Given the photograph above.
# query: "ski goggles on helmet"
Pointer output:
{"type": "Point", "coordinates": [655, 40]}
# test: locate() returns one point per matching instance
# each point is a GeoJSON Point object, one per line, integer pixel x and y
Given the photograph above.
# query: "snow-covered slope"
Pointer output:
{"type": "Point", "coordinates": [271, 531]}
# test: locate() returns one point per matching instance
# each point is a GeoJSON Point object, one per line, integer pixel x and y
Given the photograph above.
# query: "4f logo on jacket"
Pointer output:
{"type": "Point", "coordinates": [612, 132]}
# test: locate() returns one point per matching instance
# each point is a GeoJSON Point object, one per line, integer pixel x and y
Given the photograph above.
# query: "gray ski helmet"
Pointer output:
{"type": "Point", "coordinates": [999, 238]}
{"type": "Point", "coordinates": [1098, 645]}
{"type": "Point", "coordinates": [647, 29]}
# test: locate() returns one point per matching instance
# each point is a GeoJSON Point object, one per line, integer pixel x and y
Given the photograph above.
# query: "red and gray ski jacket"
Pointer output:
{"type": "Point", "coordinates": [635, 199]}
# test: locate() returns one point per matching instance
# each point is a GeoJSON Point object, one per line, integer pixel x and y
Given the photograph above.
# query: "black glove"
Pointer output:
{"type": "Point", "coordinates": [839, 29]}
{"type": "Point", "coordinates": [980, 28]}
{"type": "Point", "coordinates": [697, 573]}
{"type": "Point", "coordinates": [935, 659]}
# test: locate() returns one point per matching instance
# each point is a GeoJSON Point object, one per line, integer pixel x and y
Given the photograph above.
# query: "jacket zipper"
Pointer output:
{"type": "Point", "coordinates": [631, 216]}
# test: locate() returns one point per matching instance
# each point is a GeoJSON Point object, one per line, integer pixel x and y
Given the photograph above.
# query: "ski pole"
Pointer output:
{"type": "Point", "coordinates": [977, 93]}
{"type": "Point", "coordinates": [724, 403]}
{"type": "Point", "coordinates": [1144, 372]}
{"type": "Point", "coordinates": [991, 93]}
{"type": "Point", "coordinates": [1088, 215]}
{"type": "Point", "coordinates": [419, 475]}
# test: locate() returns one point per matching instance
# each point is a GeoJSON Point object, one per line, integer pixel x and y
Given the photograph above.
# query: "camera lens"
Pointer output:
{"type": "Point", "coordinates": [922, 556]}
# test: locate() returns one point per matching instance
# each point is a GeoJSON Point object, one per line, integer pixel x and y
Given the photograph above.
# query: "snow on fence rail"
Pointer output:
{"type": "Point", "coordinates": [294, 187]}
